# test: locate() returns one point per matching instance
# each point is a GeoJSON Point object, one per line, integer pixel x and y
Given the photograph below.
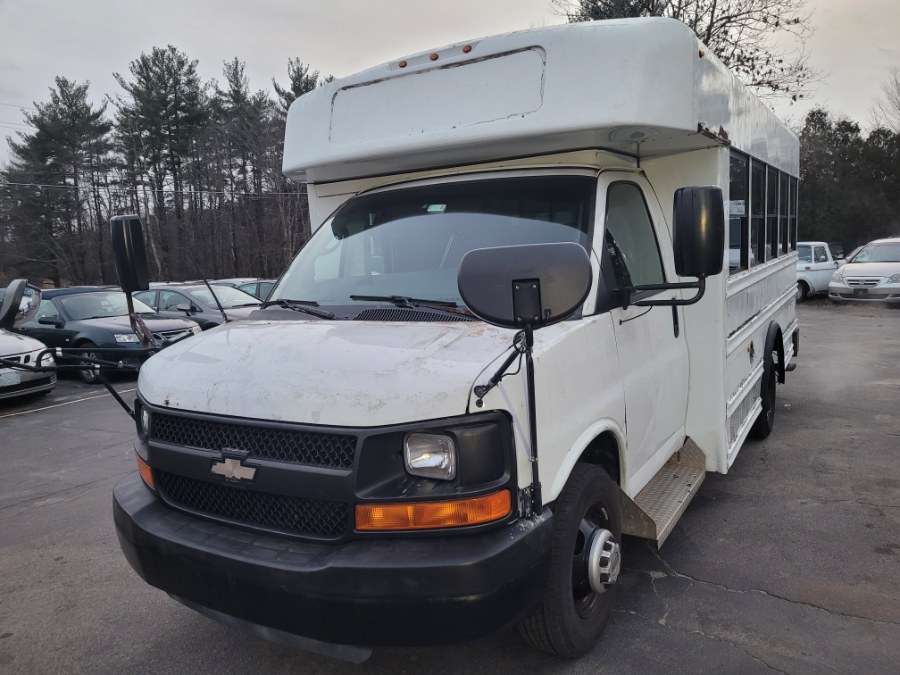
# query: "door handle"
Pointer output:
{"type": "Point", "coordinates": [675, 327]}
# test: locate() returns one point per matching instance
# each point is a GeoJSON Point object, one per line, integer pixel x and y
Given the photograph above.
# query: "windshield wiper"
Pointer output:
{"type": "Point", "coordinates": [446, 306]}
{"type": "Point", "coordinates": [304, 306]}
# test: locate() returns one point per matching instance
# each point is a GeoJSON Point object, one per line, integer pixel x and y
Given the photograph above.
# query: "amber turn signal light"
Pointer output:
{"type": "Point", "coordinates": [145, 471]}
{"type": "Point", "coordinates": [432, 515]}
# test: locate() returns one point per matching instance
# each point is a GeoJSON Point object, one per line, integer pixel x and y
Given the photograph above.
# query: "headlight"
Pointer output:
{"type": "Point", "coordinates": [46, 360]}
{"type": "Point", "coordinates": [145, 420]}
{"type": "Point", "coordinates": [196, 330]}
{"type": "Point", "coordinates": [430, 456]}
{"type": "Point", "coordinates": [894, 278]}
{"type": "Point", "coordinates": [837, 277]}
{"type": "Point", "coordinates": [126, 337]}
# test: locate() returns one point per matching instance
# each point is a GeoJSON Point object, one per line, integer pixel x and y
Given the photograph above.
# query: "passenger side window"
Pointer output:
{"type": "Point", "coordinates": [47, 308]}
{"type": "Point", "coordinates": [630, 238]}
{"type": "Point", "coordinates": [169, 301]}
{"type": "Point", "coordinates": [804, 254]}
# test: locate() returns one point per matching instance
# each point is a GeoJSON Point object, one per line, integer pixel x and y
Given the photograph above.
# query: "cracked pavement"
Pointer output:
{"type": "Point", "coordinates": [790, 563]}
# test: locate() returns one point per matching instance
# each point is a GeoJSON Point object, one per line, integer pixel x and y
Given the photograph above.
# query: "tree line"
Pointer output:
{"type": "Point", "coordinates": [199, 162]}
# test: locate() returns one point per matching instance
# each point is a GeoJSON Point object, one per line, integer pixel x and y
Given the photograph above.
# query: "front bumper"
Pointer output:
{"type": "Point", "coordinates": [844, 293]}
{"type": "Point", "coordinates": [380, 592]}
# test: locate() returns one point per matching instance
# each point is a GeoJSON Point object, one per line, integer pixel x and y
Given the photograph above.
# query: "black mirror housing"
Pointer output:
{"type": "Point", "coordinates": [531, 284]}
{"type": "Point", "coordinates": [130, 254]}
{"type": "Point", "coordinates": [699, 231]}
{"type": "Point", "coordinates": [20, 304]}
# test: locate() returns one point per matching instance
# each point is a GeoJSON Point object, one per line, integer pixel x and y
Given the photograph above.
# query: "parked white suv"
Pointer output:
{"type": "Point", "coordinates": [873, 275]}
{"type": "Point", "coordinates": [815, 265]}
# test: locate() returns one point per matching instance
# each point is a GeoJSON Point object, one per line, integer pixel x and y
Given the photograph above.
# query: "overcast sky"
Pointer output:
{"type": "Point", "coordinates": [855, 43]}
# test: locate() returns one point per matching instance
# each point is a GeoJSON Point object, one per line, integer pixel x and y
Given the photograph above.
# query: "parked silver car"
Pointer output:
{"type": "Point", "coordinates": [27, 351]}
{"type": "Point", "coordinates": [873, 274]}
{"type": "Point", "coordinates": [195, 301]}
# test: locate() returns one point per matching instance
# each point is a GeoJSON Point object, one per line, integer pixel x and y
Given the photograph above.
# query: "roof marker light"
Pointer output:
{"type": "Point", "coordinates": [467, 49]}
{"type": "Point", "coordinates": [433, 57]}
{"type": "Point", "coordinates": [402, 64]}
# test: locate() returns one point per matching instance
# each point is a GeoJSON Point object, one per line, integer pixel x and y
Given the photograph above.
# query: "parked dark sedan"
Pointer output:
{"type": "Point", "coordinates": [90, 316]}
{"type": "Point", "coordinates": [195, 302]}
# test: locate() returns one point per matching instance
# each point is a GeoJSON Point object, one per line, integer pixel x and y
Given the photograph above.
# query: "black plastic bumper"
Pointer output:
{"type": "Point", "coordinates": [386, 592]}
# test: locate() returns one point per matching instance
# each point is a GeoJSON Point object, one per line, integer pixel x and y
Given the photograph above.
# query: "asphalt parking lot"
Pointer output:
{"type": "Point", "coordinates": [790, 563]}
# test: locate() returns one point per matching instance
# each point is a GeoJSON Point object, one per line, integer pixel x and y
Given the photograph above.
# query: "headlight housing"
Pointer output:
{"type": "Point", "coordinates": [837, 276]}
{"type": "Point", "coordinates": [894, 278]}
{"type": "Point", "coordinates": [430, 456]}
{"type": "Point", "coordinates": [196, 330]}
{"type": "Point", "coordinates": [126, 337]}
{"type": "Point", "coordinates": [46, 360]}
{"type": "Point", "coordinates": [145, 420]}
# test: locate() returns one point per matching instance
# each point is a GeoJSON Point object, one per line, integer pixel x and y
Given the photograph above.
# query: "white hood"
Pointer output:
{"type": "Point", "coordinates": [341, 373]}
{"type": "Point", "coordinates": [13, 343]}
{"type": "Point", "coordinates": [870, 269]}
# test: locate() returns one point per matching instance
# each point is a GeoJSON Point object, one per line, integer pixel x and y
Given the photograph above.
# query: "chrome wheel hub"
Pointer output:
{"type": "Point", "coordinates": [604, 561]}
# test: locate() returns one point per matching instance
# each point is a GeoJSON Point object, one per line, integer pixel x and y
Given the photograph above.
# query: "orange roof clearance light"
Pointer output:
{"type": "Point", "coordinates": [145, 471]}
{"type": "Point", "coordinates": [433, 515]}
{"type": "Point", "coordinates": [467, 49]}
{"type": "Point", "coordinates": [402, 64]}
{"type": "Point", "coordinates": [433, 57]}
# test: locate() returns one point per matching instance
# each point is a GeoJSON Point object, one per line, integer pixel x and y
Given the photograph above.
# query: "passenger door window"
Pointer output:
{"type": "Point", "coordinates": [169, 301]}
{"type": "Point", "coordinates": [630, 237]}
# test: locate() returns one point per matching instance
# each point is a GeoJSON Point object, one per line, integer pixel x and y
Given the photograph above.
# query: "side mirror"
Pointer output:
{"type": "Point", "coordinates": [50, 321]}
{"type": "Point", "coordinates": [131, 257]}
{"type": "Point", "coordinates": [183, 307]}
{"type": "Point", "coordinates": [531, 285]}
{"type": "Point", "coordinates": [699, 240]}
{"type": "Point", "coordinates": [20, 304]}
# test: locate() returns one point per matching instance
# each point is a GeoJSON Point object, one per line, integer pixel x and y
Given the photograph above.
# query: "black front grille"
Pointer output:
{"type": "Point", "coordinates": [289, 515]}
{"type": "Point", "coordinates": [277, 443]}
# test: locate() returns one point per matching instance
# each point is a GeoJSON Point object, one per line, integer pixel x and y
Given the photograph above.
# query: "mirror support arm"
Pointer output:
{"type": "Point", "coordinates": [623, 295]}
{"type": "Point", "coordinates": [536, 499]}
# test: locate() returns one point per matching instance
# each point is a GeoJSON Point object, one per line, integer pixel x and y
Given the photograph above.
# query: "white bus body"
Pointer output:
{"type": "Point", "coordinates": [654, 396]}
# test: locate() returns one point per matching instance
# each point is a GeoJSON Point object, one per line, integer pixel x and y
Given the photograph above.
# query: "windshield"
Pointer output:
{"type": "Point", "coordinates": [227, 295]}
{"type": "Point", "coordinates": [878, 253]}
{"type": "Point", "coordinates": [409, 242]}
{"type": "Point", "coordinates": [97, 305]}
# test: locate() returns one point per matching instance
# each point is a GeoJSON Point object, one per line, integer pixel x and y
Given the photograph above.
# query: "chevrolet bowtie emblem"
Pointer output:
{"type": "Point", "coordinates": [232, 468]}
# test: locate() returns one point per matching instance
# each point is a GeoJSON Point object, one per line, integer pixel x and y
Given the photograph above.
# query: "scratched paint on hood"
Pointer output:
{"type": "Point", "coordinates": [337, 373]}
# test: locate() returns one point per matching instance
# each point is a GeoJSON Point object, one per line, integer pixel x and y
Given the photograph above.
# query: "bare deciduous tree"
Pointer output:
{"type": "Point", "coordinates": [887, 106]}
{"type": "Point", "coordinates": [745, 34]}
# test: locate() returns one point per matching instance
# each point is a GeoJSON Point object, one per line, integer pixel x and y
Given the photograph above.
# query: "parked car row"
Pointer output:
{"type": "Point", "coordinates": [95, 319]}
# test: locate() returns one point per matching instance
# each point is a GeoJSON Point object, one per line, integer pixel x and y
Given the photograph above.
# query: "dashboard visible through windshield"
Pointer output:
{"type": "Point", "coordinates": [409, 242]}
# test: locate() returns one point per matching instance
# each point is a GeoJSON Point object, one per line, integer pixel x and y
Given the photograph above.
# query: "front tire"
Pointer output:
{"type": "Point", "coordinates": [576, 604]}
{"type": "Point", "coordinates": [802, 291]}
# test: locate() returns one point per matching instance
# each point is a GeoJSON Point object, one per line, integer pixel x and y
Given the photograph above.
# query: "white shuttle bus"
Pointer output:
{"type": "Point", "coordinates": [551, 283]}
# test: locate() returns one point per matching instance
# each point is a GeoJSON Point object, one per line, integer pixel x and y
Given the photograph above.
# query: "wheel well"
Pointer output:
{"type": "Point", "coordinates": [603, 451]}
{"type": "Point", "coordinates": [804, 282]}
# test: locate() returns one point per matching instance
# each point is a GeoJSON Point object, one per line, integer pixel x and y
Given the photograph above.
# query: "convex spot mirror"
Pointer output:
{"type": "Point", "coordinates": [20, 304]}
{"type": "Point", "coordinates": [531, 284]}
{"type": "Point", "coordinates": [699, 242]}
{"type": "Point", "coordinates": [131, 256]}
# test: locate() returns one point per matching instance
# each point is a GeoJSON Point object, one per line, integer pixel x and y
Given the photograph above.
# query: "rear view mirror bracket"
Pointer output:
{"type": "Point", "coordinates": [623, 295]}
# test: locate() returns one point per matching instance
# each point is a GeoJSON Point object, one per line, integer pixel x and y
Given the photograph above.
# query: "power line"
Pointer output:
{"type": "Point", "coordinates": [119, 188]}
{"type": "Point", "coordinates": [20, 107]}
